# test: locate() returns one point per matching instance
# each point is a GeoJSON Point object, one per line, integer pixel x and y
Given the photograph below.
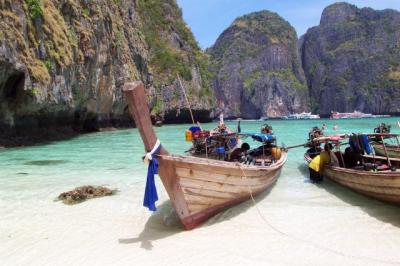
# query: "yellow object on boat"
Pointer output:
{"type": "Point", "coordinates": [276, 153]}
{"type": "Point", "coordinates": [317, 164]}
{"type": "Point", "coordinates": [188, 135]}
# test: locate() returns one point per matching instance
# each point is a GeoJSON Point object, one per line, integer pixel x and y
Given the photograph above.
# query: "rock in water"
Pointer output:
{"type": "Point", "coordinates": [352, 60]}
{"type": "Point", "coordinates": [258, 69]}
{"type": "Point", "coordinates": [80, 194]}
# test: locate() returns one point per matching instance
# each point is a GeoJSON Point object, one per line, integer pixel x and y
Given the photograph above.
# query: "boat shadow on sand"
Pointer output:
{"type": "Point", "coordinates": [385, 212]}
{"type": "Point", "coordinates": [165, 222]}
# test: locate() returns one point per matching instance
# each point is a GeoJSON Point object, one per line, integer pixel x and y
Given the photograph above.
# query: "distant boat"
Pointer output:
{"type": "Point", "coordinates": [263, 118]}
{"type": "Point", "coordinates": [393, 150]}
{"type": "Point", "coordinates": [381, 116]}
{"type": "Point", "coordinates": [355, 114]}
{"type": "Point", "coordinates": [303, 115]}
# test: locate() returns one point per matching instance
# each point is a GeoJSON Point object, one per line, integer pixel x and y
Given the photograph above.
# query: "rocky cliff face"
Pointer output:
{"type": "Point", "coordinates": [63, 63]}
{"type": "Point", "coordinates": [258, 69]}
{"type": "Point", "coordinates": [352, 60]}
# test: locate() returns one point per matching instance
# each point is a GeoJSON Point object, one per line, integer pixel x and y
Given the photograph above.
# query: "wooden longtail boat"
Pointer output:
{"type": "Point", "coordinates": [376, 176]}
{"type": "Point", "coordinates": [199, 188]}
{"type": "Point", "coordinates": [392, 150]}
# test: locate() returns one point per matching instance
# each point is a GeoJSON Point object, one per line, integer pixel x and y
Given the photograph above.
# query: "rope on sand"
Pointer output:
{"type": "Point", "coordinates": [310, 243]}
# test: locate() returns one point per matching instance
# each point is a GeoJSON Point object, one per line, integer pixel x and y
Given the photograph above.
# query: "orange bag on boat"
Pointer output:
{"type": "Point", "coordinates": [188, 135]}
{"type": "Point", "coordinates": [276, 153]}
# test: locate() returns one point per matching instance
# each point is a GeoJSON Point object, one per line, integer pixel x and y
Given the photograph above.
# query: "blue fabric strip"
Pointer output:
{"type": "Point", "coordinates": [367, 146]}
{"type": "Point", "coordinates": [150, 194]}
{"type": "Point", "coordinates": [263, 137]}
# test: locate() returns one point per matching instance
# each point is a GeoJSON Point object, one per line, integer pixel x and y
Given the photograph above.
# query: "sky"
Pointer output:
{"type": "Point", "coordinates": [209, 18]}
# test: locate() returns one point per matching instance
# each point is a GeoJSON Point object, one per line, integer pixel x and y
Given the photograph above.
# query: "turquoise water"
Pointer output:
{"type": "Point", "coordinates": [113, 158]}
{"type": "Point", "coordinates": [32, 177]}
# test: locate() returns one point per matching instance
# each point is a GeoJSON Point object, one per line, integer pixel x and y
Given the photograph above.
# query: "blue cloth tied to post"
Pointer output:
{"type": "Point", "coordinates": [150, 194]}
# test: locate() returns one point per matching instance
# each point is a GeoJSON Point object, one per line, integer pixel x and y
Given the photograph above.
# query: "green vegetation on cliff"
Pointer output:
{"type": "Point", "coordinates": [173, 47]}
{"type": "Point", "coordinates": [351, 60]}
{"type": "Point", "coordinates": [258, 69]}
{"type": "Point", "coordinates": [68, 60]}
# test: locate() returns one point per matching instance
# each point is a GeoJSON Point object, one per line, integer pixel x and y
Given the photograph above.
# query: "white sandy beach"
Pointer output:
{"type": "Point", "coordinates": [118, 231]}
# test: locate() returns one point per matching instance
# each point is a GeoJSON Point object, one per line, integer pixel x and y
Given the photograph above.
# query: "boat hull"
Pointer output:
{"type": "Point", "coordinates": [393, 152]}
{"type": "Point", "coordinates": [200, 188]}
{"type": "Point", "coordinates": [383, 185]}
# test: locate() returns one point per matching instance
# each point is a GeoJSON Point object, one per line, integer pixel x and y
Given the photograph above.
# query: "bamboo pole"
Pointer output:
{"type": "Point", "coordinates": [206, 149]}
{"type": "Point", "coordinates": [387, 155]}
{"type": "Point", "coordinates": [341, 156]}
{"type": "Point", "coordinates": [296, 146]}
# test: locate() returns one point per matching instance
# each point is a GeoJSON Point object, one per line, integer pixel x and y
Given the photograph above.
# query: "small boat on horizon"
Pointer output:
{"type": "Point", "coordinates": [355, 114]}
{"type": "Point", "coordinates": [302, 115]}
{"type": "Point", "coordinates": [200, 187]}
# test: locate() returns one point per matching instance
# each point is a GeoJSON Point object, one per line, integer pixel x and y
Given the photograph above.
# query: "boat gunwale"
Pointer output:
{"type": "Point", "coordinates": [223, 164]}
{"type": "Point", "coordinates": [389, 147]}
{"type": "Point", "coordinates": [379, 174]}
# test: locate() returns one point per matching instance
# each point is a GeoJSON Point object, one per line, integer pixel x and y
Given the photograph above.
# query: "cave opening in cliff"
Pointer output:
{"type": "Point", "coordinates": [13, 86]}
{"type": "Point", "coordinates": [11, 83]}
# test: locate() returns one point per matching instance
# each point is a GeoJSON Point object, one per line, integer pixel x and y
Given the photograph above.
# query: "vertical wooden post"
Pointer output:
{"type": "Point", "coordinates": [341, 155]}
{"type": "Point", "coordinates": [138, 109]}
{"type": "Point", "coordinates": [387, 155]}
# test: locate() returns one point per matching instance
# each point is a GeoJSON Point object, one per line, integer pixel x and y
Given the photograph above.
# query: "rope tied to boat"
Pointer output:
{"type": "Point", "coordinates": [306, 241]}
{"type": "Point", "coordinates": [150, 194]}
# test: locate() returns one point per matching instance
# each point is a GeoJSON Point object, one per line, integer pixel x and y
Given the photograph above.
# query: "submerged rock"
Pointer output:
{"type": "Point", "coordinates": [80, 194]}
{"type": "Point", "coordinates": [45, 162]}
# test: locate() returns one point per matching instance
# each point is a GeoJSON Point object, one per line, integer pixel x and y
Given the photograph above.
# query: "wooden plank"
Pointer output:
{"type": "Point", "coordinates": [227, 166]}
{"type": "Point", "coordinates": [201, 199]}
{"type": "Point", "coordinates": [386, 189]}
{"type": "Point", "coordinates": [377, 181]}
{"type": "Point", "coordinates": [217, 187]}
{"type": "Point", "coordinates": [222, 178]}
{"type": "Point", "coordinates": [236, 171]}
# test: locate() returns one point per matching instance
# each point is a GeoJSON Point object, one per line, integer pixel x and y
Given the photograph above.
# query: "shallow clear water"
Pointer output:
{"type": "Point", "coordinates": [294, 223]}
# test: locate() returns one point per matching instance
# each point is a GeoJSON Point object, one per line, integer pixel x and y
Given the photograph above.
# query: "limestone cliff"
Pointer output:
{"type": "Point", "coordinates": [63, 63]}
{"type": "Point", "coordinates": [258, 69]}
{"type": "Point", "coordinates": [352, 60]}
